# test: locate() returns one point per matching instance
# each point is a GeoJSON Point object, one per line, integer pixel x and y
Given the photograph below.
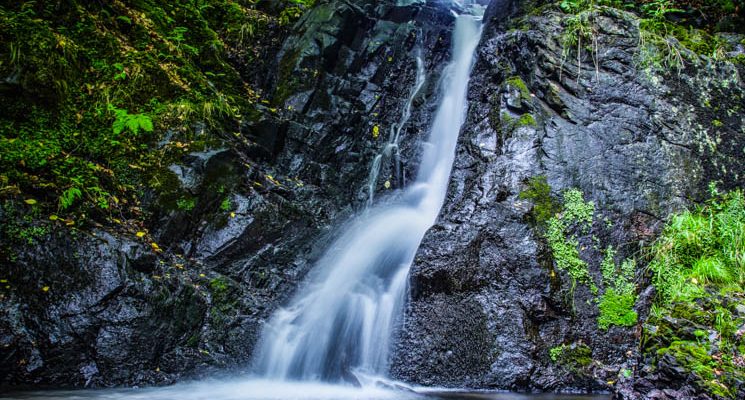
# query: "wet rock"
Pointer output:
{"type": "Point", "coordinates": [239, 224]}
{"type": "Point", "coordinates": [625, 138]}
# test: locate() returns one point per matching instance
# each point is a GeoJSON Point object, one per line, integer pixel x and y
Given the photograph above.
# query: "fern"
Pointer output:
{"type": "Point", "coordinates": [68, 197]}
{"type": "Point", "coordinates": [133, 122]}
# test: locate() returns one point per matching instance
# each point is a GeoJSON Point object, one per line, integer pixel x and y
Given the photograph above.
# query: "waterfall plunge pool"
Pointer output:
{"type": "Point", "coordinates": [278, 390]}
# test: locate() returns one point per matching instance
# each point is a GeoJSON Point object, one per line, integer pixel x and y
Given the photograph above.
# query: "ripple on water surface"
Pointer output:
{"type": "Point", "coordinates": [270, 390]}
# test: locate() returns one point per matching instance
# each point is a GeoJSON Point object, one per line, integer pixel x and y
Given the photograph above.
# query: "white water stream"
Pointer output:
{"type": "Point", "coordinates": [391, 148]}
{"type": "Point", "coordinates": [341, 322]}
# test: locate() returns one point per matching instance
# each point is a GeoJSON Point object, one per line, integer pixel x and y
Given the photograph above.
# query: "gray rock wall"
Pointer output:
{"type": "Point", "coordinates": [487, 303]}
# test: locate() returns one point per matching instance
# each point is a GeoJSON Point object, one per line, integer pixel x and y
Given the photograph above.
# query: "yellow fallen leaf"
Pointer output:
{"type": "Point", "coordinates": [387, 184]}
{"type": "Point", "coordinates": [30, 202]}
{"type": "Point", "coordinates": [376, 131]}
{"type": "Point", "coordinates": [53, 217]}
{"type": "Point", "coordinates": [45, 289]}
{"type": "Point", "coordinates": [232, 215]}
{"type": "Point", "coordinates": [140, 234]}
{"type": "Point", "coordinates": [155, 247]}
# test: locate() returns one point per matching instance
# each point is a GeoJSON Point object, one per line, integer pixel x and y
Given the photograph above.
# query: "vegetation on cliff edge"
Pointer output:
{"type": "Point", "coordinates": [97, 98]}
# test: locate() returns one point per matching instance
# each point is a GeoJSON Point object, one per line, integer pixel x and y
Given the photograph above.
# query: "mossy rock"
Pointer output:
{"type": "Point", "coordinates": [575, 358]}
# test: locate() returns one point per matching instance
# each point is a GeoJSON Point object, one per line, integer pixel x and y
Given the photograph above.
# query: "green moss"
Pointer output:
{"type": "Point", "coordinates": [186, 203]}
{"type": "Point", "coordinates": [517, 83]}
{"type": "Point", "coordinates": [224, 301]}
{"type": "Point", "coordinates": [575, 357]}
{"type": "Point", "coordinates": [545, 206]}
{"type": "Point", "coordinates": [616, 305]}
{"type": "Point", "coordinates": [226, 204]}
{"type": "Point", "coordinates": [526, 120]}
{"type": "Point", "coordinates": [219, 286]}
{"type": "Point", "coordinates": [616, 309]}
{"type": "Point", "coordinates": [695, 357]}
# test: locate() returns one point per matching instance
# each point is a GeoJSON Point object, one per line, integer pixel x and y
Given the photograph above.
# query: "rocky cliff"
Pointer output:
{"type": "Point", "coordinates": [102, 307]}
{"type": "Point", "coordinates": [491, 306]}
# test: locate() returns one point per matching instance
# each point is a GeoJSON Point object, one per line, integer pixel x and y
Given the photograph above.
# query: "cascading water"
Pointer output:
{"type": "Point", "coordinates": [391, 148]}
{"type": "Point", "coordinates": [342, 320]}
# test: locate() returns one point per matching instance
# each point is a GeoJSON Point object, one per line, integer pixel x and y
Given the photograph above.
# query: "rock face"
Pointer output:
{"type": "Point", "coordinates": [486, 303]}
{"type": "Point", "coordinates": [104, 308]}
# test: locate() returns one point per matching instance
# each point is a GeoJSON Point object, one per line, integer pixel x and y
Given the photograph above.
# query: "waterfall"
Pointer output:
{"type": "Point", "coordinates": [341, 321]}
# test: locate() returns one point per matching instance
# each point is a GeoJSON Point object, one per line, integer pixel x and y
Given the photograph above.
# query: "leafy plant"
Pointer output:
{"type": "Point", "coordinates": [133, 122]}
{"type": "Point", "coordinates": [226, 204]}
{"type": "Point", "coordinates": [67, 199]}
{"type": "Point", "coordinates": [564, 246]}
{"type": "Point", "coordinates": [186, 203]}
{"type": "Point", "coordinates": [699, 248]}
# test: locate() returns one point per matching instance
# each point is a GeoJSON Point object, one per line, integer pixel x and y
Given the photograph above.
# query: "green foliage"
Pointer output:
{"type": "Point", "coordinates": [219, 286]}
{"type": "Point", "coordinates": [701, 248]}
{"type": "Point", "coordinates": [556, 352]}
{"type": "Point", "coordinates": [226, 204]}
{"type": "Point", "coordinates": [698, 269]}
{"type": "Point", "coordinates": [87, 80]}
{"type": "Point", "coordinates": [133, 122]}
{"type": "Point", "coordinates": [32, 233]}
{"type": "Point", "coordinates": [564, 245]}
{"type": "Point", "coordinates": [579, 30]}
{"type": "Point", "coordinates": [616, 305]}
{"type": "Point", "coordinates": [577, 210]}
{"type": "Point", "coordinates": [293, 13]}
{"type": "Point", "coordinates": [67, 198]}
{"type": "Point", "coordinates": [186, 203]}
{"type": "Point", "coordinates": [664, 45]}
{"type": "Point", "coordinates": [616, 309]}
{"type": "Point", "coordinates": [565, 250]}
